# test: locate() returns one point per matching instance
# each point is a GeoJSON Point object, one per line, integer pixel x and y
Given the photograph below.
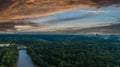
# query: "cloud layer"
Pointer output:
{"type": "Point", "coordinates": [58, 16]}
{"type": "Point", "coordinates": [11, 26]}
{"type": "Point", "coordinates": [16, 9]}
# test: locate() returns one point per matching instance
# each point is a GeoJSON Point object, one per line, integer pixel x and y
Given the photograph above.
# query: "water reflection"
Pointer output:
{"type": "Point", "coordinates": [24, 60]}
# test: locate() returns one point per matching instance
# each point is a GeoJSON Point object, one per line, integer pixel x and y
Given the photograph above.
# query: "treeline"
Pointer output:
{"type": "Point", "coordinates": [30, 39]}
{"type": "Point", "coordinates": [8, 56]}
{"type": "Point", "coordinates": [68, 52]}
{"type": "Point", "coordinates": [21, 40]}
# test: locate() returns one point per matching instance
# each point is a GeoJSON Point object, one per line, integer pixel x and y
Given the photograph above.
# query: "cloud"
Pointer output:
{"type": "Point", "coordinates": [5, 4]}
{"type": "Point", "coordinates": [60, 20]}
{"type": "Point", "coordinates": [50, 29]}
{"type": "Point", "coordinates": [55, 19]}
{"type": "Point", "coordinates": [68, 16]}
{"type": "Point", "coordinates": [11, 25]}
{"type": "Point", "coordinates": [97, 11]}
{"type": "Point", "coordinates": [13, 8]}
{"type": "Point", "coordinates": [108, 29]}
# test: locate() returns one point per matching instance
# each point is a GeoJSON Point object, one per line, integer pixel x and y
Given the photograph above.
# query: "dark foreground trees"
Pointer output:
{"type": "Point", "coordinates": [8, 56]}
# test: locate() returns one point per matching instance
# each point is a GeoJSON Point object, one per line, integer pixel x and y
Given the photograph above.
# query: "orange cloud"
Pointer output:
{"type": "Point", "coordinates": [18, 9]}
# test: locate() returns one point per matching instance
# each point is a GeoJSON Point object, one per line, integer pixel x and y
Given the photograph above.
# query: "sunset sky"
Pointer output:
{"type": "Point", "coordinates": [62, 19]}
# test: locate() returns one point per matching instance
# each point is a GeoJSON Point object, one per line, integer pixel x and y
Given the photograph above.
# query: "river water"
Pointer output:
{"type": "Point", "coordinates": [24, 59]}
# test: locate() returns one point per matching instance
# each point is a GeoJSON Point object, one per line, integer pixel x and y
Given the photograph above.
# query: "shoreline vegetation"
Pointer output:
{"type": "Point", "coordinates": [15, 65]}
{"type": "Point", "coordinates": [66, 50]}
{"type": "Point", "coordinates": [8, 55]}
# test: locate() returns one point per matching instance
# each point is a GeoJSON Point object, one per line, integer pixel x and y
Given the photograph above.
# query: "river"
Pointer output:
{"type": "Point", "coordinates": [24, 59]}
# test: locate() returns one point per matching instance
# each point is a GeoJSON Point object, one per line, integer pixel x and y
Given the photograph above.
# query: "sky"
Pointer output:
{"type": "Point", "coordinates": [77, 19]}
{"type": "Point", "coordinates": [73, 19]}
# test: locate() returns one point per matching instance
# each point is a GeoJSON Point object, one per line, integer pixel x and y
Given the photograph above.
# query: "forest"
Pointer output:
{"type": "Point", "coordinates": [73, 52]}
{"type": "Point", "coordinates": [64, 50]}
{"type": "Point", "coordinates": [8, 56]}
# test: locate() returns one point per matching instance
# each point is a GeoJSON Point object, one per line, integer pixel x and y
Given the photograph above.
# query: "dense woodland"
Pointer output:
{"type": "Point", "coordinates": [75, 55]}
{"type": "Point", "coordinates": [8, 56]}
{"type": "Point", "coordinates": [69, 50]}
